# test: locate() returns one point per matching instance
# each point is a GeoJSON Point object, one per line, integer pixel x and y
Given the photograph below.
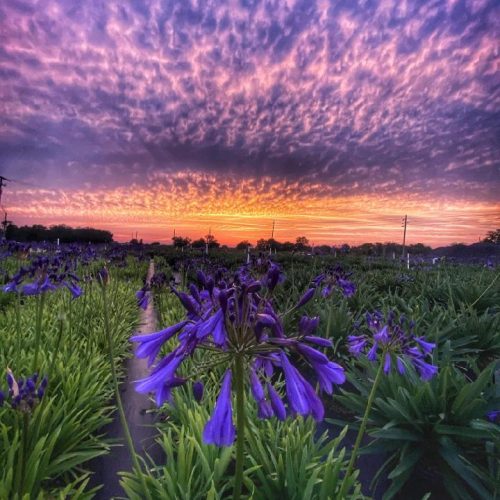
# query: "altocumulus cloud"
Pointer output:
{"type": "Point", "coordinates": [363, 98]}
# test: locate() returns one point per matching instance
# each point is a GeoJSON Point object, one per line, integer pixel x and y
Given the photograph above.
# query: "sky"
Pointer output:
{"type": "Point", "coordinates": [333, 118]}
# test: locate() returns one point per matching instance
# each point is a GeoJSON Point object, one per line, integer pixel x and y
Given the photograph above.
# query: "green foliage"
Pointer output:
{"type": "Point", "coordinates": [64, 429]}
{"type": "Point", "coordinates": [438, 426]}
{"type": "Point", "coordinates": [283, 459]}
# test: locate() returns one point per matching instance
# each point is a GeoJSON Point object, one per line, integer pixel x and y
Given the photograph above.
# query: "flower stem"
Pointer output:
{"type": "Point", "coordinates": [38, 329]}
{"type": "Point", "coordinates": [362, 429]}
{"type": "Point", "coordinates": [240, 425]}
{"type": "Point", "coordinates": [23, 457]}
{"type": "Point", "coordinates": [121, 411]}
{"type": "Point", "coordinates": [56, 349]}
{"type": "Point", "coordinates": [18, 323]}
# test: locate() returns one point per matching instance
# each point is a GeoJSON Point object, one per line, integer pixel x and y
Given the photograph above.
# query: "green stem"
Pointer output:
{"type": "Point", "coordinates": [121, 411]}
{"type": "Point", "coordinates": [362, 428]}
{"type": "Point", "coordinates": [23, 455]}
{"type": "Point", "coordinates": [38, 329]}
{"type": "Point", "coordinates": [329, 322]}
{"type": "Point", "coordinates": [56, 350]}
{"type": "Point", "coordinates": [240, 425]}
{"type": "Point", "coordinates": [18, 323]}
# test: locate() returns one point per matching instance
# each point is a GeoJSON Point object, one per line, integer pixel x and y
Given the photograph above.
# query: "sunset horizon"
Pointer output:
{"type": "Point", "coordinates": [334, 119]}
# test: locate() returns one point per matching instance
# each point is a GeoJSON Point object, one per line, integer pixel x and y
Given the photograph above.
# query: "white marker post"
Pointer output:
{"type": "Point", "coordinates": [408, 260]}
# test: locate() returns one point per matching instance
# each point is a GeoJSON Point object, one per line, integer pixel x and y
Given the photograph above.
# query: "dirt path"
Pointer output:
{"type": "Point", "coordinates": [141, 423]}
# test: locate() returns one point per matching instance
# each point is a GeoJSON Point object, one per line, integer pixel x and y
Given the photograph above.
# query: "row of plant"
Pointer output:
{"type": "Point", "coordinates": [402, 363]}
{"type": "Point", "coordinates": [57, 393]}
{"type": "Point", "coordinates": [420, 388]}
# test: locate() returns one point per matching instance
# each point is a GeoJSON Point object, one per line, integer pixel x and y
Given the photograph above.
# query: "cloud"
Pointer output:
{"type": "Point", "coordinates": [193, 202]}
{"type": "Point", "coordinates": [365, 98]}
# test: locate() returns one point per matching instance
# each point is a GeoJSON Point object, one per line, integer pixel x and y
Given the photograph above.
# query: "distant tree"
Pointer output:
{"type": "Point", "coordinates": [419, 249]}
{"type": "Point", "coordinates": [262, 244]}
{"type": "Point", "coordinates": [287, 246]}
{"type": "Point", "coordinates": [323, 249]}
{"type": "Point", "coordinates": [199, 243]}
{"type": "Point", "coordinates": [243, 245]}
{"type": "Point", "coordinates": [345, 248]}
{"type": "Point", "coordinates": [63, 233]}
{"type": "Point", "coordinates": [301, 243]}
{"type": "Point", "coordinates": [273, 244]}
{"type": "Point", "coordinates": [212, 242]}
{"type": "Point", "coordinates": [493, 237]}
{"type": "Point", "coordinates": [365, 249]}
{"type": "Point", "coordinates": [180, 242]}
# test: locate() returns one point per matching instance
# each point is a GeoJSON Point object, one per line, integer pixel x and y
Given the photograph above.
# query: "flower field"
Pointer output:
{"type": "Point", "coordinates": [295, 376]}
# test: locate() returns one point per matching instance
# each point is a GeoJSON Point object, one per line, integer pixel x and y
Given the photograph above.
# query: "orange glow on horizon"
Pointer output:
{"type": "Point", "coordinates": [244, 210]}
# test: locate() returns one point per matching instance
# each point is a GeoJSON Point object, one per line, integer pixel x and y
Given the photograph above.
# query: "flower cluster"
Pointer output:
{"type": "Point", "coordinates": [142, 297]}
{"type": "Point", "coordinates": [335, 278]}
{"type": "Point", "coordinates": [393, 341]}
{"type": "Point", "coordinates": [45, 274]}
{"type": "Point", "coordinates": [494, 416]}
{"type": "Point", "coordinates": [23, 394]}
{"type": "Point", "coordinates": [236, 319]}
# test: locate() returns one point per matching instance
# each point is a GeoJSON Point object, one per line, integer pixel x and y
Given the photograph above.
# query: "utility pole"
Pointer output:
{"type": "Point", "coordinates": [404, 223]}
{"type": "Point", "coordinates": [272, 238]}
{"type": "Point", "coordinates": [2, 184]}
{"type": "Point", "coordinates": [5, 224]}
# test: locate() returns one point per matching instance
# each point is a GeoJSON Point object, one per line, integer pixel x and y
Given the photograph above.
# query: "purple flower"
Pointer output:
{"type": "Point", "coordinates": [142, 297]}
{"type": "Point", "coordinates": [493, 416]}
{"type": "Point", "coordinates": [328, 374]}
{"type": "Point", "coordinates": [23, 394]}
{"type": "Point", "coordinates": [256, 386]}
{"type": "Point", "coordinates": [387, 363]}
{"type": "Point", "coordinates": [198, 389]}
{"type": "Point", "coordinates": [162, 379]}
{"type": "Point", "coordinates": [219, 430]}
{"type": "Point", "coordinates": [276, 403]}
{"type": "Point", "coordinates": [427, 347]}
{"type": "Point", "coordinates": [264, 410]}
{"type": "Point", "coordinates": [394, 338]}
{"type": "Point", "coordinates": [306, 298]}
{"type": "Point", "coordinates": [307, 325]}
{"type": "Point", "coordinates": [74, 289]}
{"type": "Point", "coordinates": [356, 344]}
{"type": "Point", "coordinates": [426, 370]}
{"type": "Point", "coordinates": [335, 278]}
{"type": "Point", "coordinates": [319, 341]}
{"type": "Point", "coordinates": [151, 343]}
{"type": "Point", "coordinates": [400, 365]}
{"type": "Point", "coordinates": [301, 396]}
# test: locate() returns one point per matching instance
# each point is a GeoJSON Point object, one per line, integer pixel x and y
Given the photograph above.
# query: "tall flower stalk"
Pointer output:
{"type": "Point", "coordinates": [390, 343]}
{"type": "Point", "coordinates": [240, 425]}
{"type": "Point", "coordinates": [23, 397]}
{"type": "Point", "coordinates": [235, 324]}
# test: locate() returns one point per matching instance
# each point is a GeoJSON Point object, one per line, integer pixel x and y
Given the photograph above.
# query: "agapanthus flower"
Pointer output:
{"type": "Point", "coordinates": [493, 416]}
{"type": "Point", "coordinates": [233, 319]}
{"type": "Point", "coordinates": [198, 389]}
{"type": "Point", "coordinates": [220, 430]}
{"type": "Point", "coordinates": [142, 297]}
{"type": "Point", "coordinates": [74, 289]}
{"type": "Point", "coordinates": [23, 394]}
{"type": "Point", "coordinates": [335, 279]}
{"type": "Point", "coordinates": [392, 342]}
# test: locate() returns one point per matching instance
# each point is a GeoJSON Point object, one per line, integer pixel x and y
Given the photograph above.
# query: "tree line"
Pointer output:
{"type": "Point", "coordinates": [63, 233]}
